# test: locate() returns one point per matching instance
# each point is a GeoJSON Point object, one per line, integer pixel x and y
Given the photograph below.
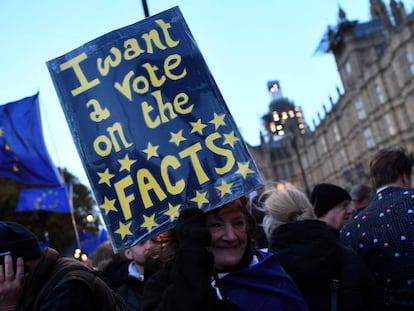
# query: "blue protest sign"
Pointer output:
{"type": "Point", "coordinates": [151, 126]}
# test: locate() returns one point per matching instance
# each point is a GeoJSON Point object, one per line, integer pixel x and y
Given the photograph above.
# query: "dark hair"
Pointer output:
{"type": "Point", "coordinates": [389, 164]}
{"type": "Point", "coordinates": [165, 246]}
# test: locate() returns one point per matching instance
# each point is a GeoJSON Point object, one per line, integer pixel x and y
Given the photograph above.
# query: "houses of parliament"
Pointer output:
{"type": "Point", "coordinates": [375, 61]}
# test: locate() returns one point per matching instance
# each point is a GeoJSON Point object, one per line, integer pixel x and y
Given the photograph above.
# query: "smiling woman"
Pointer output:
{"type": "Point", "coordinates": [227, 226]}
{"type": "Point", "coordinates": [220, 241]}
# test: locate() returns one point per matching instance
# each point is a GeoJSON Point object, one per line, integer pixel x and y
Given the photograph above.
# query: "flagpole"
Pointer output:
{"type": "Point", "coordinates": [75, 228]}
{"type": "Point", "coordinates": [69, 196]}
{"type": "Point", "coordinates": [145, 6]}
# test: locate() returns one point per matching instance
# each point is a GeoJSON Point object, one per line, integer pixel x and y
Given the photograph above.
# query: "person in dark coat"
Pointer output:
{"type": "Point", "coordinates": [215, 268]}
{"type": "Point", "coordinates": [36, 279]}
{"type": "Point", "coordinates": [329, 275]}
{"type": "Point", "coordinates": [124, 272]}
{"type": "Point", "coordinates": [383, 233]}
{"type": "Point", "coordinates": [332, 204]}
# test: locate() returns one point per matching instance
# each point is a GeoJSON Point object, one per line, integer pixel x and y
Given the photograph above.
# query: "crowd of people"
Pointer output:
{"type": "Point", "coordinates": [335, 250]}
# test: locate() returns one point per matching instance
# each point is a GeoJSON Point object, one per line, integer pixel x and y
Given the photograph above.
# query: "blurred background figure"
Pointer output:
{"type": "Point", "coordinates": [383, 233]}
{"type": "Point", "coordinates": [103, 253]}
{"type": "Point", "coordinates": [124, 272]}
{"type": "Point", "coordinates": [332, 205]}
{"type": "Point", "coordinates": [361, 195]}
{"type": "Point", "coordinates": [329, 275]}
{"type": "Point", "coordinates": [258, 212]}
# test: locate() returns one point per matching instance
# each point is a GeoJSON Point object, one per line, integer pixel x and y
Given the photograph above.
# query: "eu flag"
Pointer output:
{"type": "Point", "coordinates": [23, 153]}
{"type": "Point", "coordinates": [55, 200]}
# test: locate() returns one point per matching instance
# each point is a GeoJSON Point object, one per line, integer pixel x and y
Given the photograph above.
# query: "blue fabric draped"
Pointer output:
{"type": "Point", "coordinates": [23, 153]}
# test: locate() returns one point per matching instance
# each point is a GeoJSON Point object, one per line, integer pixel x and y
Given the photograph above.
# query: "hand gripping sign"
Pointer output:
{"type": "Point", "coordinates": [151, 127]}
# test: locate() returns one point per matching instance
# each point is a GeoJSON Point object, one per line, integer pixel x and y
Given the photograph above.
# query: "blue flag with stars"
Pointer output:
{"type": "Point", "coordinates": [151, 127]}
{"type": "Point", "coordinates": [56, 199]}
{"type": "Point", "coordinates": [23, 153]}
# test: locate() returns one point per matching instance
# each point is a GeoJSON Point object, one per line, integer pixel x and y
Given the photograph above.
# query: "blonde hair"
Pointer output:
{"type": "Point", "coordinates": [286, 205]}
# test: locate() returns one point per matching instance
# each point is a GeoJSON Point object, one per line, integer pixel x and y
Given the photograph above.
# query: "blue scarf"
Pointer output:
{"type": "Point", "coordinates": [263, 286]}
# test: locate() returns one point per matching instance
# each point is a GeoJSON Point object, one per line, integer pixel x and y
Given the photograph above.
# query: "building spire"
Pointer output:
{"type": "Point", "coordinates": [379, 10]}
{"type": "Point", "coordinates": [398, 12]}
{"type": "Point", "coordinates": [341, 15]}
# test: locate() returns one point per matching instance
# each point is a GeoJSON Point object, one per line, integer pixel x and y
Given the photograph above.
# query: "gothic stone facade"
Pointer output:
{"type": "Point", "coordinates": [375, 61]}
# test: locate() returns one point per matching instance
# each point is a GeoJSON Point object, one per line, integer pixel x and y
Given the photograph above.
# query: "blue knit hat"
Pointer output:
{"type": "Point", "coordinates": [18, 240]}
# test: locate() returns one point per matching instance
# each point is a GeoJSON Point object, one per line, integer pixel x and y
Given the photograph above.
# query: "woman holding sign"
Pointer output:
{"type": "Point", "coordinates": [215, 267]}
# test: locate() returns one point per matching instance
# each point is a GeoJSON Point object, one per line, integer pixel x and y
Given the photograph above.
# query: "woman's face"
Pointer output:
{"type": "Point", "coordinates": [227, 225]}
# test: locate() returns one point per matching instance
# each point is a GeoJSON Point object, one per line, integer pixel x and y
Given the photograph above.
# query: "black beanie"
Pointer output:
{"type": "Point", "coordinates": [20, 241]}
{"type": "Point", "coordinates": [324, 197]}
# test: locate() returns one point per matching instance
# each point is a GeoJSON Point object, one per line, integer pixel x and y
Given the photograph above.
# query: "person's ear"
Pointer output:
{"type": "Point", "coordinates": [128, 253]}
{"type": "Point", "coordinates": [407, 180]}
{"type": "Point", "coordinates": [404, 180]}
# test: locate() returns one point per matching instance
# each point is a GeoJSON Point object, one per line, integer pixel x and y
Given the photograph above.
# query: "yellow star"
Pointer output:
{"type": "Point", "coordinates": [230, 139]}
{"type": "Point", "coordinates": [15, 168]}
{"type": "Point", "coordinates": [108, 205]}
{"type": "Point", "coordinates": [1, 132]}
{"type": "Point", "coordinates": [7, 147]}
{"type": "Point", "coordinates": [149, 222]}
{"type": "Point", "coordinates": [105, 177]}
{"type": "Point", "coordinates": [126, 163]}
{"type": "Point", "coordinates": [197, 127]}
{"type": "Point", "coordinates": [224, 188]}
{"type": "Point", "coordinates": [151, 151]}
{"type": "Point", "coordinates": [177, 138]}
{"type": "Point", "coordinates": [200, 198]}
{"type": "Point", "coordinates": [218, 120]}
{"type": "Point", "coordinates": [244, 169]}
{"type": "Point", "coordinates": [124, 229]}
{"type": "Point", "coordinates": [173, 211]}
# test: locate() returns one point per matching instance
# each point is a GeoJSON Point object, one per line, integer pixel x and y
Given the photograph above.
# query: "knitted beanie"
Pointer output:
{"type": "Point", "coordinates": [325, 197]}
{"type": "Point", "coordinates": [19, 241]}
